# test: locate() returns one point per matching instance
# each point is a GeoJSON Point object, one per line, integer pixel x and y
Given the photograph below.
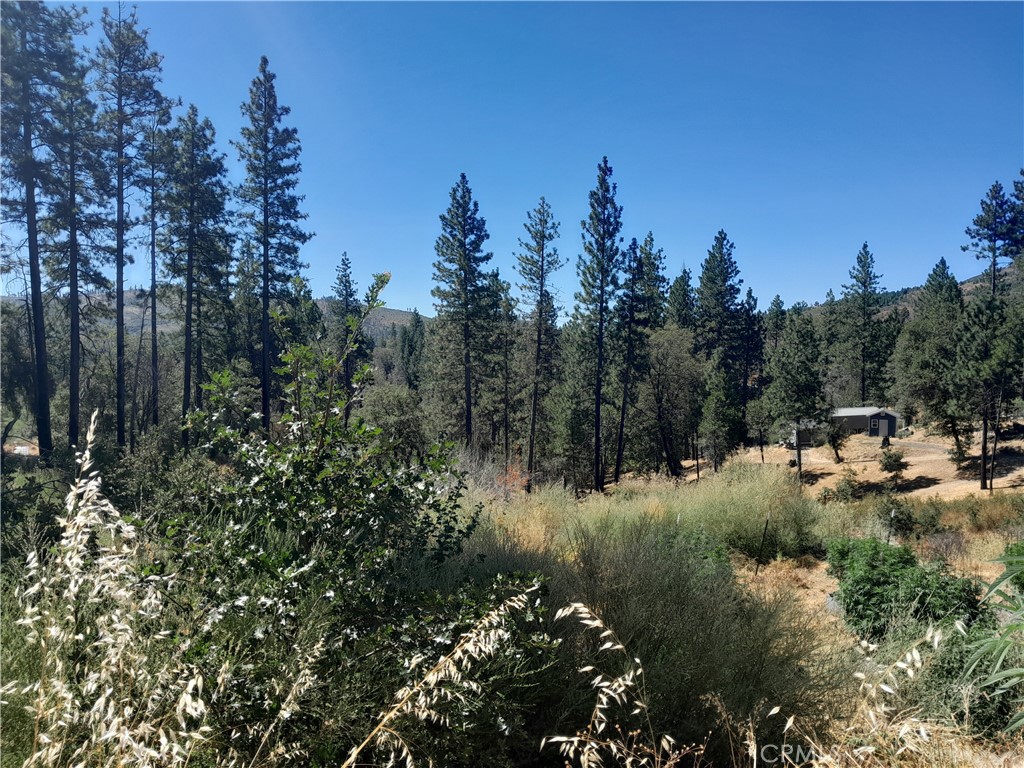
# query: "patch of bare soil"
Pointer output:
{"type": "Point", "coordinates": [930, 472]}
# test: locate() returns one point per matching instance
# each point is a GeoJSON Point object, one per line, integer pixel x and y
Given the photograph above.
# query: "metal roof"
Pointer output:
{"type": "Point", "coordinates": [864, 411]}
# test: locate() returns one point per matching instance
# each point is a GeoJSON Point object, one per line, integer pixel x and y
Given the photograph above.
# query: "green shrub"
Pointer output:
{"type": "Point", "coordinates": [879, 584]}
{"type": "Point", "coordinates": [671, 597]}
{"type": "Point", "coordinates": [895, 515]}
{"type": "Point", "coordinates": [1016, 550]}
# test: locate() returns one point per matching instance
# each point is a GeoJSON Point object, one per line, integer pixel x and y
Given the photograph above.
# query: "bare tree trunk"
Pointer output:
{"type": "Point", "coordinates": [995, 445]}
{"type": "Point", "coordinates": [535, 399]}
{"type": "Point", "coordinates": [135, 382]}
{"type": "Point", "coordinates": [984, 448]}
{"type": "Point", "coordinates": [42, 374]}
{"type": "Point", "coordinates": [153, 358]}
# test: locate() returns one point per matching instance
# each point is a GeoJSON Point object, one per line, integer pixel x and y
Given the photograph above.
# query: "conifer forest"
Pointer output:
{"type": "Point", "coordinates": [248, 525]}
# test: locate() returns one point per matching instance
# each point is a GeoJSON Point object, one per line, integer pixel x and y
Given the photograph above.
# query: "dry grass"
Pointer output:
{"type": "Point", "coordinates": [930, 472]}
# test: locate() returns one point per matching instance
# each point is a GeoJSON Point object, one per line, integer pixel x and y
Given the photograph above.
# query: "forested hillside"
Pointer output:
{"type": "Point", "coordinates": [287, 520]}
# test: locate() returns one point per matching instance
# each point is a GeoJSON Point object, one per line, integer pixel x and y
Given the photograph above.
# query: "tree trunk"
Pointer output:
{"type": "Point", "coordinates": [265, 319]}
{"type": "Point", "coordinates": [984, 448]}
{"type": "Point", "coordinates": [119, 269]}
{"type": "Point", "coordinates": [467, 377]}
{"type": "Point", "coordinates": [154, 370]}
{"type": "Point", "coordinates": [995, 445]}
{"type": "Point", "coordinates": [199, 350]}
{"type": "Point", "coordinates": [598, 383]}
{"type": "Point", "coordinates": [42, 375]}
{"type": "Point", "coordinates": [135, 383]}
{"type": "Point", "coordinates": [799, 460]}
{"type": "Point", "coordinates": [535, 399]}
{"type": "Point", "coordinates": [74, 308]}
{"type": "Point", "coordinates": [186, 399]}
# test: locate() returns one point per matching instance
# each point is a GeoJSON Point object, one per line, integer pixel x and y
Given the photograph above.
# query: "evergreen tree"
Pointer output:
{"type": "Point", "coordinates": [76, 220]}
{"type": "Point", "coordinates": [772, 322]}
{"type": "Point", "coordinates": [198, 254]}
{"type": "Point", "coordinates": [640, 310]}
{"type": "Point", "coordinates": [462, 289]}
{"type": "Point", "coordinates": [671, 394]}
{"type": "Point", "coordinates": [925, 359]}
{"type": "Point", "coordinates": [37, 49]}
{"type": "Point", "coordinates": [721, 417]}
{"type": "Point", "coordinates": [127, 77]}
{"type": "Point", "coordinates": [751, 349]}
{"type": "Point", "coordinates": [536, 262]}
{"type": "Point", "coordinates": [598, 269]}
{"type": "Point", "coordinates": [997, 232]}
{"type": "Point", "coordinates": [989, 359]}
{"type": "Point", "coordinates": [718, 322]}
{"type": "Point", "coordinates": [411, 341]}
{"type": "Point", "coordinates": [682, 301]}
{"type": "Point", "coordinates": [795, 395]}
{"type": "Point", "coordinates": [270, 152]}
{"type": "Point", "coordinates": [572, 408]}
{"type": "Point", "coordinates": [719, 328]}
{"type": "Point", "coordinates": [355, 348]}
{"type": "Point", "coordinates": [158, 157]}
{"type": "Point", "coordinates": [862, 300]}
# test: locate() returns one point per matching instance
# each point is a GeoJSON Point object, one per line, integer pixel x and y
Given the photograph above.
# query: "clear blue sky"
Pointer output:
{"type": "Point", "coordinates": [802, 129]}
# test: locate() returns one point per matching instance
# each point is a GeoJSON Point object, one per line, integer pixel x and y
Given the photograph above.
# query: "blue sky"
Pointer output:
{"type": "Point", "coordinates": [802, 129]}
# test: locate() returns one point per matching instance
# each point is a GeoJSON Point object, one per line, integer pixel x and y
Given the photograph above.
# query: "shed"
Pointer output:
{"type": "Point", "coordinates": [872, 421]}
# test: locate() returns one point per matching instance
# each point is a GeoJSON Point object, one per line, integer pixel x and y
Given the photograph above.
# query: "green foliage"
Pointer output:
{"type": "Point", "coordinates": [674, 602]}
{"type": "Point", "coordinates": [1013, 553]}
{"type": "Point", "coordinates": [895, 515]}
{"type": "Point", "coordinates": [880, 584]}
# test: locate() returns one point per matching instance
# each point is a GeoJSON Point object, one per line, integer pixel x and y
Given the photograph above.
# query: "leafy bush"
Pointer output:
{"type": "Point", "coordinates": [879, 583]}
{"type": "Point", "coordinates": [672, 599]}
{"type": "Point", "coordinates": [1016, 551]}
{"type": "Point", "coordinates": [732, 508]}
{"type": "Point", "coordinates": [895, 515]}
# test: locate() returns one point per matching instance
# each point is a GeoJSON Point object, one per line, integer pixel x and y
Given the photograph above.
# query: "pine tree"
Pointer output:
{"type": "Point", "coordinates": [270, 152]}
{"type": "Point", "coordinates": [197, 229]}
{"type": "Point", "coordinates": [719, 328]}
{"type": "Point", "coordinates": [535, 263]}
{"type": "Point", "coordinates": [925, 359]}
{"type": "Point", "coordinates": [682, 301]}
{"type": "Point", "coordinates": [462, 289]}
{"type": "Point", "coordinates": [751, 350]}
{"type": "Point", "coordinates": [997, 232]}
{"type": "Point", "coordinates": [718, 323]}
{"type": "Point", "coordinates": [76, 220]}
{"type": "Point", "coordinates": [795, 395]}
{"type": "Point", "coordinates": [354, 347]}
{"type": "Point", "coordinates": [411, 342]}
{"type": "Point", "coordinates": [36, 48]}
{"type": "Point", "coordinates": [671, 393]}
{"type": "Point", "coordinates": [862, 300]}
{"type": "Point", "coordinates": [721, 418]}
{"type": "Point", "coordinates": [127, 77]}
{"type": "Point", "coordinates": [598, 269]}
{"type": "Point", "coordinates": [640, 310]}
{"type": "Point", "coordinates": [158, 156]}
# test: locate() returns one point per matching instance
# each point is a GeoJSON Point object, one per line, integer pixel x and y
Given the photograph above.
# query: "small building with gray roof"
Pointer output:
{"type": "Point", "coordinates": [869, 420]}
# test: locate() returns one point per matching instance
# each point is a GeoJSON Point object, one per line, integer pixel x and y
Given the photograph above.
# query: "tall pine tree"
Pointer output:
{"type": "Point", "coordinates": [198, 233]}
{"type": "Point", "coordinates": [127, 77]}
{"type": "Point", "coordinates": [598, 268]}
{"type": "Point", "coordinates": [862, 300]}
{"type": "Point", "coordinates": [462, 289]}
{"type": "Point", "coordinates": [270, 152]}
{"type": "Point", "coordinates": [37, 49]}
{"type": "Point", "coordinates": [536, 262]}
{"type": "Point", "coordinates": [640, 310]}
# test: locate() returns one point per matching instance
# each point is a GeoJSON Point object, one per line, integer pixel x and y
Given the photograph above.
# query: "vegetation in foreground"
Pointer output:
{"type": "Point", "coordinates": [289, 602]}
